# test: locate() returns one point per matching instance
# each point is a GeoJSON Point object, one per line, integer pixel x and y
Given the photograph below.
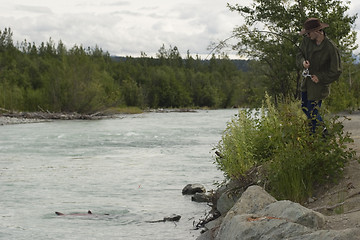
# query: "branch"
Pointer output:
{"type": "Point", "coordinates": [338, 204]}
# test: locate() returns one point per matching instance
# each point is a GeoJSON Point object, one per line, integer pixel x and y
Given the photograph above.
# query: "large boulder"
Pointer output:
{"type": "Point", "coordinates": [226, 201]}
{"type": "Point", "coordinates": [250, 226]}
{"type": "Point", "coordinates": [247, 227]}
{"type": "Point", "coordinates": [257, 215]}
{"type": "Point", "coordinates": [227, 195]}
{"type": "Point", "coordinates": [294, 212]}
{"type": "Point", "coordinates": [254, 199]}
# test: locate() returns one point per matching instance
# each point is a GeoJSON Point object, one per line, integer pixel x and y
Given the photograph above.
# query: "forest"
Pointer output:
{"type": "Point", "coordinates": [51, 77]}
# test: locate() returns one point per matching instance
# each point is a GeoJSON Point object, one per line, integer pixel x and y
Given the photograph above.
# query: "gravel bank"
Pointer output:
{"type": "Point", "coordinates": [12, 120]}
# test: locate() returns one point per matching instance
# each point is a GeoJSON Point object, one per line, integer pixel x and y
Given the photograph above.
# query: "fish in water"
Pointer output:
{"type": "Point", "coordinates": [74, 214]}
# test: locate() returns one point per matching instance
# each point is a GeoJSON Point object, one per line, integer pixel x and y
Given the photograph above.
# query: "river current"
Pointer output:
{"type": "Point", "coordinates": [126, 170]}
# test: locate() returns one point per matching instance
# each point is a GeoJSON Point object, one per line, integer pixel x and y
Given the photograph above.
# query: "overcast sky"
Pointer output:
{"type": "Point", "coordinates": [126, 27]}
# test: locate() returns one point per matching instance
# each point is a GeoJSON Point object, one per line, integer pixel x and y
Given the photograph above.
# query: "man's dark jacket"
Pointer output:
{"type": "Point", "coordinates": [325, 63]}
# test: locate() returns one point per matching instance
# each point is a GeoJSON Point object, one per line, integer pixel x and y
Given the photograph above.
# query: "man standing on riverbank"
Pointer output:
{"type": "Point", "coordinates": [321, 62]}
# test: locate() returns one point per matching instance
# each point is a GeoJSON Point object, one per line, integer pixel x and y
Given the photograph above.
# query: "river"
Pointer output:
{"type": "Point", "coordinates": [126, 170]}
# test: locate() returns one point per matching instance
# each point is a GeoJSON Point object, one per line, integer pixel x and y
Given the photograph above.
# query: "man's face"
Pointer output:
{"type": "Point", "coordinates": [313, 35]}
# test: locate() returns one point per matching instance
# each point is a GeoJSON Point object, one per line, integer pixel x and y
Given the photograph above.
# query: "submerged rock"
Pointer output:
{"type": "Point", "coordinates": [172, 218]}
{"type": "Point", "coordinates": [201, 197]}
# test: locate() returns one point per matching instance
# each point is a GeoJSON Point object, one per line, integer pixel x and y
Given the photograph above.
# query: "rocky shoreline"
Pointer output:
{"type": "Point", "coordinates": [249, 212]}
{"type": "Point", "coordinates": [12, 120]}
{"type": "Point", "coordinates": [258, 215]}
{"type": "Point", "coordinates": [252, 213]}
{"type": "Point", "coordinates": [9, 117]}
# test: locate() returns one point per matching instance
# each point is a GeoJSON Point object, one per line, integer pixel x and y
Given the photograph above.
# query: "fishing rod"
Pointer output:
{"type": "Point", "coordinates": [257, 31]}
{"type": "Point", "coordinates": [305, 72]}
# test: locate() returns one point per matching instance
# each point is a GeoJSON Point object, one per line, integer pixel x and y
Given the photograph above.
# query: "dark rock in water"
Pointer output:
{"type": "Point", "coordinates": [193, 188]}
{"type": "Point", "coordinates": [172, 218]}
{"type": "Point", "coordinates": [201, 197]}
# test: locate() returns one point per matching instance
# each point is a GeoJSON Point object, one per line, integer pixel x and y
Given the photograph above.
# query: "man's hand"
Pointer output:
{"type": "Point", "coordinates": [306, 64]}
{"type": "Point", "coordinates": [314, 78]}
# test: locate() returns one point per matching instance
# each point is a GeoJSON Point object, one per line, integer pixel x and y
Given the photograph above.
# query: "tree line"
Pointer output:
{"type": "Point", "coordinates": [54, 78]}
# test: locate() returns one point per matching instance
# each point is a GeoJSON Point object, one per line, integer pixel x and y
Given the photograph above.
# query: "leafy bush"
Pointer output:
{"type": "Point", "coordinates": [292, 159]}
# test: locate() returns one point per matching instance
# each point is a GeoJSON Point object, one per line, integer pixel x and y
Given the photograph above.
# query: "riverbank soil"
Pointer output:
{"type": "Point", "coordinates": [340, 202]}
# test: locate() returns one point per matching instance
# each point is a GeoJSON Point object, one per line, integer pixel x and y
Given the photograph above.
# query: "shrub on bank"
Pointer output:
{"type": "Point", "coordinates": [278, 141]}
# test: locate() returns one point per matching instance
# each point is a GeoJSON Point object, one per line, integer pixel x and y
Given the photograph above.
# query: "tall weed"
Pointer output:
{"type": "Point", "coordinates": [279, 140]}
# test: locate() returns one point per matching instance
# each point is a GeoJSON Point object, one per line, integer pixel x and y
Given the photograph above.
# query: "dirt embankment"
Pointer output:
{"type": "Point", "coordinates": [340, 202]}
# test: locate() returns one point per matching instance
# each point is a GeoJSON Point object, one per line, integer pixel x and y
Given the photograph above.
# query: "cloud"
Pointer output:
{"type": "Point", "coordinates": [118, 3]}
{"type": "Point", "coordinates": [123, 27]}
{"type": "Point", "coordinates": [33, 9]}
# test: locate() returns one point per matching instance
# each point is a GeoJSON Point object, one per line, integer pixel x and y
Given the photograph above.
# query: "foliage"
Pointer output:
{"type": "Point", "coordinates": [275, 43]}
{"type": "Point", "coordinates": [54, 78]}
{"type": "Point", "coordinates": [279, 140]}
{"type": "Point", "coordinates": [345, 94]}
